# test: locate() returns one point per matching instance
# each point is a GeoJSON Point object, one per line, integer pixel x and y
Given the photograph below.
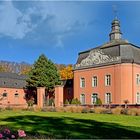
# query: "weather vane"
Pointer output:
{"type": "Point", "coordinates": [115, 11]}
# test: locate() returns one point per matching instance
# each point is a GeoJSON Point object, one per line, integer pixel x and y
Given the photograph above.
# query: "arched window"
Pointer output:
{"type": "Point", "coordinates": [82, 99]}
{"type": "Point", "coordinates": [94, 81]}
{"type": "Point", "coordinates": [94, 98]}
{"type": "Point", "coordinates": [138, 98]}
{"type": "Point", "coordinates": [108, 98]}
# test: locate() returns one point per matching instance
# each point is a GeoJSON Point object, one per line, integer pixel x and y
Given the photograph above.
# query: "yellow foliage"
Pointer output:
{"type": "Point", "coordinates": [66, 73]}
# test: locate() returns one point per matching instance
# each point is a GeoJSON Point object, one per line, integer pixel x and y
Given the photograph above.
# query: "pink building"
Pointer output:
{"type": "Point", "coordinates": [110, 72]}
{"type": "Point", "coordinates": [12, 89]}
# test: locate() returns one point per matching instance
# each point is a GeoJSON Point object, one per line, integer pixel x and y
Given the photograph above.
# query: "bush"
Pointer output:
{"type": "Point", "coordinates": [124, 111]}
{"type": "Point", "coordinates": [99, 110]}
{"type": "Point", "coordinates": [134, 112]}
{"type": "Point", "coordinates": [85, 110]}
{"type": "Point", "coordinates": [51, 102]}
{"type": "Point", "coordinates": [66, 102]}
{"type": "Point", "coordinates": [73, 109]}
{"type": "Point", "coordinates": [60, 109]}
{"type": "Point", "coordinates": [106, 111]}
{"type": "Point", "coordinates": [91, 110]}
{"type": "Point", "coordinates": [75, 101]}
{"type": "Point", "coordinates": [117, 110]}
{"type": "Point", "coordinates": [6, 133]}
{"type": "Point", "coordinates": [98, 102]}
{"type": "Point", "coordinates": [30, 102]}
{"type": "Point", "coordinates": [48, 109]}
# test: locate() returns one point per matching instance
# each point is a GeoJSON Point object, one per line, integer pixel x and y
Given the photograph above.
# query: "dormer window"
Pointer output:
{"type": "Point", "coordinates": [16, 95]}
{"type": "Point", "coordinates": [4, 94]}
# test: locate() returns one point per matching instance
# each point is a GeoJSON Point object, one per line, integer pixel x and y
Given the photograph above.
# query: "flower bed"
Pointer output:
{"type": "Point", "coordinates": [6, 133]}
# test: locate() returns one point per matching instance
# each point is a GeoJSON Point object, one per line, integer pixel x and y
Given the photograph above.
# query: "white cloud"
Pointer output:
{"type": "Point", "coordinates": [42, 20]}
{"type": "Point", "coordinates": [13, 23]}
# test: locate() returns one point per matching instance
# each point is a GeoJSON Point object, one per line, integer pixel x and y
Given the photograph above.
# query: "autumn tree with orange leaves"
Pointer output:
{"type": "Point", "coordinates": [66, 73]}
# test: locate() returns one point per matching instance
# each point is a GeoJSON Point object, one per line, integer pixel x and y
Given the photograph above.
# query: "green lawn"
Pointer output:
{"type": "Point", "coordinates": [72, 125]}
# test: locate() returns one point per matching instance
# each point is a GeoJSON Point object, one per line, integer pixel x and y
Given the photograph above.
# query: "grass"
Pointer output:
{"type": "Point", "coordinates": [72, 125]}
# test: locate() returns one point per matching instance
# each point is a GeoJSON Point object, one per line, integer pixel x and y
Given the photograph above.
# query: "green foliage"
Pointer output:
{"type": "Point", "coordinates": [75, 101]}
{"type": "Point", "coordinates": [2, 69]}
{"type": "Point", "coordinates": [51, 102]}
{"type": "Point", "coordinates": [66, 102]}
{"type": "Point", "coordinates": [42, 125]}
{"type": "Point", "coordinates": [43, 74]}
{"type": "Point", "coordinates": [98, 102]}
{"type": "Point", "coordinates": [30, 102]}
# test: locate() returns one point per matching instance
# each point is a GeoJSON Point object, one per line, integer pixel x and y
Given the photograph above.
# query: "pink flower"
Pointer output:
{"type": "Point", "coordinates": [1, 135]}
{"type": "Point", "coordinates": [6, 131]}
{"type": "Point", "coordinates": [21, 133]}
{"type": "Point", "coordinates": [12, 136]}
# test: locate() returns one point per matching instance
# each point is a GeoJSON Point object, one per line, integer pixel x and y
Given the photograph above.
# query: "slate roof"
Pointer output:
{"type": "Point", "coordinates": [128, 52]}
{"type": "Point", "coordinates": [12, 80]}
{"type": "Point", "coordinates": [117, 50]}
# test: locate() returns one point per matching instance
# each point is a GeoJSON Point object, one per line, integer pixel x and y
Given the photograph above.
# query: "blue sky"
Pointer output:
{"type": "Point", "coordinates": [61, 29]}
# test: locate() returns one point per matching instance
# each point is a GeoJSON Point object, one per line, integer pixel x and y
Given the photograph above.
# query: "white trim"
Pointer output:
{"type": "Point", "coordinates": [92, 98]}
{"type": "Point", "coordinates": [92, 82]}
{"type": "Point", "coordinates": [82, 99]}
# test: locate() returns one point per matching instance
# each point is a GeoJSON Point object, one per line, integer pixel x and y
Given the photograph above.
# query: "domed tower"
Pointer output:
{"type": "Point", "coordinates": [115, 32]}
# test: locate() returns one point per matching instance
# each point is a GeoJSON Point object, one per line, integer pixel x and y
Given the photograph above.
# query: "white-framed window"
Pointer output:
{"type": "Point", "coordinates": [94, 98]}
{"type": "Point", "coordinates": [138, 98]}
{"type": "Point", "coordinates": [94, 81]}
{"type": "Point", "coordinates": [138, 79]}
{"type": "Point", "coordinates": [107, 80]}
{"type": "Point", "coordinates": [82, 99]}
{"type": "Point", "coordinates": [108, 98]}
{"type": "Point", "coordinates": [82, 82]}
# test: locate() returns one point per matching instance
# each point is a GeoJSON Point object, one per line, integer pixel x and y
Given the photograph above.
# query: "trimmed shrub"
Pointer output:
{"type": "Point", "coordinates": [99, 110]}
{"type": "Point", "coordinates": [66, 102]}
{"type": "Point", "coordinates": [74, 109]}
{"type": "Point", "coordinates": [75, 101]}
{"type": "Point", "coordinates": [60, 109]}
{"type": "Point", "coordinates": [124, 111]}
{"type": "Point", "coordinates": [117, 110]}
{"type": "Point", "coordinates": [48, 109]}
{"type": "Point", "coordinates": [134, 111]}
{"type": "Point", "coordinates": [51, 102]}
{"type": "Point", "coordinates": [85, 110]}
{"type": "Point", "coordinates": [91, 110]}
{"type": "Point", "coordinates": [98, 102]}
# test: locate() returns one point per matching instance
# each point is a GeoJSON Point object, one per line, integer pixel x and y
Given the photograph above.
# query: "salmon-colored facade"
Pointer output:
{"type": "Point", "coordinates": [123, 83]}
{"type": "Point", "coordinates": [13, 96]}
{"type": "Point", "coordinates": [110, 72]}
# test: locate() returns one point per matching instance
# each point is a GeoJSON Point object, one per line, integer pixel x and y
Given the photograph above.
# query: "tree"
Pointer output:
{"type": "Point", "coordinates": [66, 72]}
{"type": "Point", "coordinates": [2, 69]}
{"type": "Point", "coordinates": [43, 74]}
{"type": "Point", "coordinates": [98, 101]}
{"type": "Point", "coordinates": [25, 69]}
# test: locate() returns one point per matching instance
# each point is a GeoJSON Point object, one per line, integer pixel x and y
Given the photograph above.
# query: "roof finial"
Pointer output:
{"type": "Point", "coordinates": [115, 11]}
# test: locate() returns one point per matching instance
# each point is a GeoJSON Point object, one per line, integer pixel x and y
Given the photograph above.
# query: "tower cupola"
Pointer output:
{"type": "Point", "coordinates": [115, 32]}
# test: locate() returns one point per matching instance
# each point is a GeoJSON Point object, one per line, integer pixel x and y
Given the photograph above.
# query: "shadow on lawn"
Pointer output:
{"type": "Point", "coordinates": [65, 127]}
